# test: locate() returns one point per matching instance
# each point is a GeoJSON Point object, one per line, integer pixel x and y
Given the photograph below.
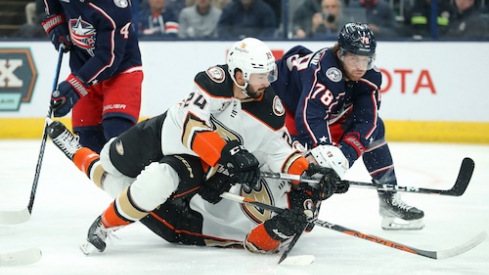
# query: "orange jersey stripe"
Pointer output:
{"type": "Point", "coordinates": [208, 145]}
{"type": "Point", "coordinates": [298, 167]}
{"type": "Point", "coordinates": [260, 238]}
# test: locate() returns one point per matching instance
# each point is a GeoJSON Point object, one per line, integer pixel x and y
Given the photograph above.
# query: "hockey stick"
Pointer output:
{"type": "Point", "coordinates": [14, 217]}
{"type": "Point", "coordinates": [458, 189]}
{"type": "Point", "coordinates": [437, 255]}
{"type": "Point", "coordinates": [22, 257]}
{"type": "Point", "coordinates": [297, 260]}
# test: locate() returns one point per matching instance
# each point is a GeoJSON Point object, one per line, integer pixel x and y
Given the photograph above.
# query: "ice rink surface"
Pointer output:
{"type": "Point", "coordinates": [67, 203]}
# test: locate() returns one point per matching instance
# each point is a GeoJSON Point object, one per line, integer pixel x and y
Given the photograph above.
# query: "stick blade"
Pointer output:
{"type": "Point", "coordinates": [14, 217]}
{"type": "Point", "coordinates": [301, 260]}
{"type": "Point", "coordinates": [445, 254]}
{"type": "Point", "coordinates": [22, 257]}
{"type": "Point", "coordinates": [464, 176]}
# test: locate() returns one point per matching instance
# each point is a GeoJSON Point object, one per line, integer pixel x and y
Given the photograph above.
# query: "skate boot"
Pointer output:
{"type": "Point", "coordinates": [397, 215]}
{"type": "Point", "coordinates": [97, 234]}
{"type": "Point", "coordinates": [63, 138]}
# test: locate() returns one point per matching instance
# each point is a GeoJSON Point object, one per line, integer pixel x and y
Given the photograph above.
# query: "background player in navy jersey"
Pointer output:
{"type": "Point", "coordinates": [332, 97]}
{"type": "Point", "coordinates": [104, 87]}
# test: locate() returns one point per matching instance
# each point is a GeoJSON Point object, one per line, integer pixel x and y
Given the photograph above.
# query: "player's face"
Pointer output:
{"type": "Point", "coordinates": [356, 65]}
{"type": "Point", "coordinates": [257, 84]}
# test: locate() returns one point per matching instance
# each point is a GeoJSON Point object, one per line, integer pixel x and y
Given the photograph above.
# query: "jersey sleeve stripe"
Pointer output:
{"type": "Point", "coordinates": [201, 139]}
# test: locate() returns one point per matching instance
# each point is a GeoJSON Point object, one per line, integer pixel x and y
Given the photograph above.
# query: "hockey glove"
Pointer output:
{"type": "Point", "coordinates": [351, 146]}
{"type": "Point", "coordinates": [56, 28]}
{"type": "Point", "coordinates": [329, 183]}
{"type": "Point", "coordinates": [286, 224]}
{"type": "Point", "coordinates": [67, 94]}
{"type": "Point", "coordinates": [211, 189]}
{"type": "Point", "coordinates": [241, 164]}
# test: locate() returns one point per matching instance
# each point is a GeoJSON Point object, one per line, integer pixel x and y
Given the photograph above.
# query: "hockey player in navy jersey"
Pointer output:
{"type": "Point", "coordinates": [231, 123]}
{"type": "Point", "coordinates": [332, 97]}
{"type": "Point", "coordinates": [104, 87]}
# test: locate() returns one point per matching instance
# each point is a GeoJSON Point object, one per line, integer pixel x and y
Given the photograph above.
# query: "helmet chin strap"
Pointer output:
{"type": "Point", "coordinates": [242, 87]}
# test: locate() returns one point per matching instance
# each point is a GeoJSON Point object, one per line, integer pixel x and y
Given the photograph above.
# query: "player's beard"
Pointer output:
{"type": "Point", "coordinates": [255, 93]}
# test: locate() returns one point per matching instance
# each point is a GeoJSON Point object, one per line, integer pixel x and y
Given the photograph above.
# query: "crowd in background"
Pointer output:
{"type": "Point", "coordinates": [296, 19]}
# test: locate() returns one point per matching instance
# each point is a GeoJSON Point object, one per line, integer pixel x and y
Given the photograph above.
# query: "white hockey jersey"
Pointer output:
{"type": "Point", "coordinates": [210, 116]}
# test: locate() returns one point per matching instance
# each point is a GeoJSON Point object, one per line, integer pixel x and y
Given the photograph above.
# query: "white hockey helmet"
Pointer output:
{"type": "Point", "coordinates": [331, 157]}
{"type": "Point", "coordinates": [251, 55]}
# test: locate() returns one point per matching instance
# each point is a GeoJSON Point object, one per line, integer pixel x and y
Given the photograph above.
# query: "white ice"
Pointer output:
{"type": "Point", "coordinates": [66, 204]}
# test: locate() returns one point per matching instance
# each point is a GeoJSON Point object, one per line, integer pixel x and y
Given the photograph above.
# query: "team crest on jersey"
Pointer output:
{"type": "Point", "coordinates": [216, 74]}
{"type": "Point", "coordinates": [121, 3]}
{"type": "Point", "coordinates": [83, 34]}
{"type": "Point", "coordinates": [260, 193]}
{"type": "Point", "coordinates": [334, 74]}
{"type": "Point", "coordinates": [119, 148]}
{"type": "Point", "coordinates": [278, 108]}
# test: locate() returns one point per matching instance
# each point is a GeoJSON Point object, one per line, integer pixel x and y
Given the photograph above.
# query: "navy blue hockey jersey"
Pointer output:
{"type": "Point", "coordinates": [104, 40]}
{"type": "Point", "coordinates": [312, 87]}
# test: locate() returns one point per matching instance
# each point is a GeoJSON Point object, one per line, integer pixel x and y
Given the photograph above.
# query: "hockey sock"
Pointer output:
{"type": "Point", "coordinates": [91, 137]}
{"type": "Point", "coordinates": [115, 126]}
{"type": "Point", "coordinates": [89, 163]}
{"type": "Point", "coordinates": [122, 211]}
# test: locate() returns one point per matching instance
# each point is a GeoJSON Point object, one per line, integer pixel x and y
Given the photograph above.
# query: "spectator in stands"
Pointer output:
{"type": "Point", "coordinates": [328, 23]}
{"type": "Point", "coordinates": [466, 21]}
{"type": "Point", "coordinates": [380, 17]}
{"type": "Point", "coordinates": [199, 20]}
{"type": "Point", "coordinates": [302, 18]}
{"type": "Point", "coordinates": [276, 6]}
{"type": "Point", "coordinates": [156, 21]}
{"type": "Point", "coordinates": [176, 6]}
{"type": "Point", "coordinates": [34, 13]}
{"type": "Point", "coordinates": [247, 18]}
{"type": "Point", "coordinates": [417, 19]}
{"type": "Point", "coordinates": [215, 3]}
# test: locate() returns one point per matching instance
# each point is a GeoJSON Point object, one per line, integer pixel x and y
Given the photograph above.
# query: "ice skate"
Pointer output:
{"type": "Point", "coordinates": [397, 215]}
{"type": "Point", "coordinates": [63, 138]}
{"type": "Point", "coordinates": [97, 234]}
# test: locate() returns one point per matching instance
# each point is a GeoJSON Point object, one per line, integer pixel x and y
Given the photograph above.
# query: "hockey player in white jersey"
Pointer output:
{"type": "Point", "coordinates": [232, 120]}
{"type": "Point", "coordinates": [207, 220]}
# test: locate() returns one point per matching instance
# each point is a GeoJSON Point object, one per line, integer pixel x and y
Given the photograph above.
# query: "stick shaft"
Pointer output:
{"type": "Point", "coordinates": [44, 136]}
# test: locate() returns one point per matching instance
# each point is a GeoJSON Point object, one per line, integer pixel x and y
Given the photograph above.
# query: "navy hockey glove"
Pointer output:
{"type": "Point", "coordinates": [241, 164]}
{"type": "Point", "coordinates": [67, 94]}
{"type": "Point", "coordinates": [329, 183]}
{"type": "Point", "coordinates": [286, 224]}
{"type": "Point", "coordinates": [57, 29]}
{"type": "Point", "coordinates": [211, 189]}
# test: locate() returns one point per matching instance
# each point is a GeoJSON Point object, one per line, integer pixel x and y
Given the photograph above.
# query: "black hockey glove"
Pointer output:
{"type": "Point", "coordinates": [241, 164]}
{"type": "Point", "coordinates": [211, 189]}
{"type": "Point", "coordinates": [56, 28]}
{"type": "Point", "coordinates": [286, 224]}
{"type": "Point", "coordinates": [329, 183]}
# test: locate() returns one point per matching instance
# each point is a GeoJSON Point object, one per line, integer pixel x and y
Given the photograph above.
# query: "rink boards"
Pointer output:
{"type": "Point", "coordinates": [431, 91]}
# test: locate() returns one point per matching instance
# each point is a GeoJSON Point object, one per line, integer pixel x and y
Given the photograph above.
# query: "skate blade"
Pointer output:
{"type": "Point", "coordinates": [87, 248]}
{"type": "Point", "coordinates": [400, 224]}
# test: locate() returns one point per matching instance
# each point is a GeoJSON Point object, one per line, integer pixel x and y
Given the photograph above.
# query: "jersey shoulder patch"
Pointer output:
{"type": "Point", "coordinates": [269, 110]}
{"type": "Point", "coordinates": [334, 74]}
{"type": "Point", "coordinates": [121, 3]}
{"type": "Point", "coordinates": [216, 74]}
{"type": "Point", "coordinates": [215, 81]}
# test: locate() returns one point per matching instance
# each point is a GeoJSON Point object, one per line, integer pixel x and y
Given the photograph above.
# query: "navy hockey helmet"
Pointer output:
{"type": "Point", "coordinates": [357, 38]}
